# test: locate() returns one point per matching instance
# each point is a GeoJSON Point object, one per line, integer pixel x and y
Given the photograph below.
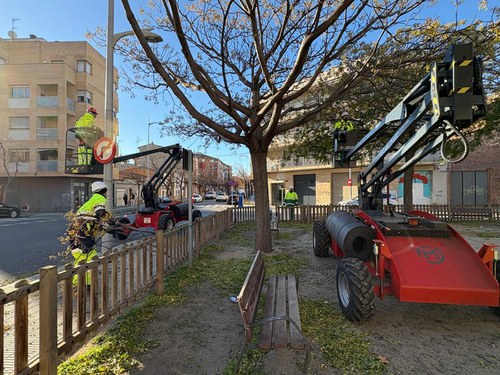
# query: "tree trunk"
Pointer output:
{"type": "Point", "coordinates": [408, 189]}
{"type": "Point", "coordinates": [262, 221]}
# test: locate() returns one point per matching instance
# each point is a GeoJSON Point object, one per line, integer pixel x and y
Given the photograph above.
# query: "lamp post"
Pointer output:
{"type": "Point", "coordinates": [112, 39]}
{"type": "Point", "coordinates": [149, 125]}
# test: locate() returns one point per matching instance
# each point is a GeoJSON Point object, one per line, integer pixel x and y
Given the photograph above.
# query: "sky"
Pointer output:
{"type": "Point", "coordinates": [69, 20]}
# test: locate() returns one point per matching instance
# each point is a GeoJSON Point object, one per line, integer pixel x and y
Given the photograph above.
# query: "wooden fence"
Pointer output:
{"type": "Point", "coordinates": [309, 213]}
{"type": "Point", "coordinates": [43, 318]}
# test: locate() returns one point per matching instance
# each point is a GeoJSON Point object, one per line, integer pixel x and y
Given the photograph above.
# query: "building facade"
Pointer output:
{"type": "Point", "coordinates": [324, 184]}
{"type": "Point", "coordinates": [44, 88]}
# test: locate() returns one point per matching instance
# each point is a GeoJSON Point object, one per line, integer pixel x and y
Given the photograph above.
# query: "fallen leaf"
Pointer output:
{"type": "Point", "coordinates": [383, 359]}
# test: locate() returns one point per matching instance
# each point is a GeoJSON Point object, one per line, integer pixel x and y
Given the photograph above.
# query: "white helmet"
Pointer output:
{"type": "Point", "coordinates": [98, 186]}
{"type": "Point", "coordinates": [344, 114]}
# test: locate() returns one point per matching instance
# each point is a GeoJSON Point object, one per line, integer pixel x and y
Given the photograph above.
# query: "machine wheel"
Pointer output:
{"type": "Point", "coordinates": [355, 290]}
{"type": "Point", "coordinates": [14, 214]}
{"type": "Point", "coordinates": [166, 223]}
{"type": "Point", "coordinates": [196, 215]}
{"type": "Point", "coordinates": [321, 239]}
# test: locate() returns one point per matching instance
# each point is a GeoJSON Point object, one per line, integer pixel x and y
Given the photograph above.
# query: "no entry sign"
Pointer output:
{"type": "Point", "coordinates": [104, 150]}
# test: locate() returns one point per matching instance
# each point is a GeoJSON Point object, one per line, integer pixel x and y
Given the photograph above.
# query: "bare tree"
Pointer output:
{"type": "Point", "coordinates": [11, 167]}
{"type": "Point", "coordinates": [241, 70]}
{"type": "Point", "coordinates": [138, 177]}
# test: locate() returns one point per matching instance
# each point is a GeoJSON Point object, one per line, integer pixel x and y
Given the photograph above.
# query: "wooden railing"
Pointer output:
{"type": "Point", "coordinates": [309, 213]}
{"type": "Point", "coordinates": [43, 318]}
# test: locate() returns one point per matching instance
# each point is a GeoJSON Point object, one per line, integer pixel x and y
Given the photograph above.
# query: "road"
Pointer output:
{"type": "Point", "coordinates": [32, 241]}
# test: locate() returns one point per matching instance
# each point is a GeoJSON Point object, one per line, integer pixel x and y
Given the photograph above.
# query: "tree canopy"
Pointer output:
{"type": "Point", "coordinates": [246, 71]}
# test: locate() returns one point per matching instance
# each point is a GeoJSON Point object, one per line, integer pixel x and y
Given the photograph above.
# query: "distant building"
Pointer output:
{"type": "Point", "coordinates": [44, 88]}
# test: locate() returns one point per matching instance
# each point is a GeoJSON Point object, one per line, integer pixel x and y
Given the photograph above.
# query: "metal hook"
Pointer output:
{"type": "Point", "coordinates": [446, 137]}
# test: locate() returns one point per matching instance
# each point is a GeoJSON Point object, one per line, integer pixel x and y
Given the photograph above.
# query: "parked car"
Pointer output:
{"type": "Point", "coordinates": [232, 199]}
{"type": "Point", "coordinates": [10, 211]}
{"type": "Point", "coordinates": [355, 202]}
{"type": "Point", "coordinates": [210, 195]}
{"type": "Point", "coordinates": [220, 197]}
{"type": "Point", "coordinates": [197, 198]}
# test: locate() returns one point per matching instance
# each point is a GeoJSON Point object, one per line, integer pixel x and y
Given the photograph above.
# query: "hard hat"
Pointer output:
{"type": "Point", "coordinates": [98, 186]}
{"type": "Point", "coordinates": [344, 114]}
{"type": "Point", "coordinates": [291, 187]}
{"type": "Point", "coordinates": [92, 110]}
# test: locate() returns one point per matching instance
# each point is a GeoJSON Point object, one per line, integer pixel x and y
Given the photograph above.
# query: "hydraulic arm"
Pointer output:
{"type": "Point", "coordinates": [150, 188]}
{"type": "Point", "coordinates": [447, 100]}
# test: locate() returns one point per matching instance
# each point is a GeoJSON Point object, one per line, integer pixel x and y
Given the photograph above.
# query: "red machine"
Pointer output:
{"type": "Point", "coordinates": [413, 256]}
{"type": "Point", "coordinates": [161, 214]}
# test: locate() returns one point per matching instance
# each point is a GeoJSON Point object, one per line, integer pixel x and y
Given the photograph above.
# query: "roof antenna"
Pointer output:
{"type": "Point", "coordinates": [12, 34]}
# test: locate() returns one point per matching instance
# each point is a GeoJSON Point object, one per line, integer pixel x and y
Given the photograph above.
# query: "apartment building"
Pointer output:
{"type": "Point", "coordinates": [44, 88]}
{"type": "Point", "coordinates": [323, 184]}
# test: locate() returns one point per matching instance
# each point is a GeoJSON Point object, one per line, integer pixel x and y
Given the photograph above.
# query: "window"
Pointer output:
{"type": "Point", "coordinates": [46, 155]}
{"type": "Point", "coordinates": [84, 96]}
{"type": "Point", "coordinates": [19, 156]}
{"type": "Point", "coordinates": [469, 187]}
{"type": "Point", "coordinates": [19, 123]}
{"type": "Point", "coordinates": [20, 92]}
{"type": "Point", "coordinates": [83, 66]}
{"type": "Point", "coordinates": [19, 128]}
{"type": "Point", "coordinates": [3, 61]}
{"type": "Point", "coordinates": [47, 160]}
{"type": "Point", "coordinates": [57, 61]}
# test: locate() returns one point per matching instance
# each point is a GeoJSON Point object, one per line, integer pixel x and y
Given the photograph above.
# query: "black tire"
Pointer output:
{"type": "Point", "coordinates": [355, 290]}
{"type": "Point", "coordinates": [196, 215]}
{"type": "Point", "coordinates": [14, 214]}
{"type": "Point", "coordinates": [321, 239]}
{"type": "Point", "coordinates": [166, 223]}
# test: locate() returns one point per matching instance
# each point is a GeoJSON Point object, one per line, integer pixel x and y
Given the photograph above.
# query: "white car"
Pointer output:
{"type": "Point", "coordinates": [197, 198]}
{"type": "Point", "coordinates": [355, 202]}
{"type": "Point", "coordinates": [210, 195]}
{"type": "Point", "coordinates": [220, 196]}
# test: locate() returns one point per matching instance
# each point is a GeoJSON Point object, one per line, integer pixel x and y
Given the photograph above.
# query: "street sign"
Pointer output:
{"type": "Point", "coordinates": [104, 150]}
{"type": "Point", "coordinates": [232, 183]}
{"type": "Point", "coordinates": [349, 182]}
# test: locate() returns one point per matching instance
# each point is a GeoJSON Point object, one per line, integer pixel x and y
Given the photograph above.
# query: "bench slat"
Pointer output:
{"type": "Point", "coordinates": [267, 328]}
{"type": "Point", "coordinates": [248, 298]}
{"type": "Point", "coordinates": [296, 340]}
{"type": "Point", "coordinates": [279, 330]}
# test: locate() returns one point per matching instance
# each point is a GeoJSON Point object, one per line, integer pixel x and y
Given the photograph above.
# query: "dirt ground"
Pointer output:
{"type": "Point", "coordinates": [200, 335]}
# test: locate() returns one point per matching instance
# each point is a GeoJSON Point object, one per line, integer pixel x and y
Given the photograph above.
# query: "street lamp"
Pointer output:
{"type": "Point", "coordinates": [149, 125]}
{"type": "Point", "coordinates": [112, 39]}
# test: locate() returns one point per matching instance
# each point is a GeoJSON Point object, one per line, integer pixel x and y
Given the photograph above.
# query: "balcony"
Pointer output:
{"type": "Point", "coordinates": [47, 133]}
{"type": "Point", "coordinates": [47, 101]}
{"type": "Point", "coordinates": [70, 105]}
{"type": "Point", "coordinates": [21, 167]}
{"type": "Point", "coordinates": [46, 165]}
{"type": "Point", "coordinates": [19, 103]}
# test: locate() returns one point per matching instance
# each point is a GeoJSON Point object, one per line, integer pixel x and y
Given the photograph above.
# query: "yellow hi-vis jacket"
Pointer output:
{"type": "Point", "coordinates": [344, 125]}
{"type": "Point", "coordinates": [291, 198]}
{"type": "Point", "coordinates": [86, 121]}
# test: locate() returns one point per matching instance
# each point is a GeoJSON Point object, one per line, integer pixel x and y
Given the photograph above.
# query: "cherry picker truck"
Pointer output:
{"type": "Point", "coordinates": [412, 256]}
{"type": "Point", "coordinates": [160, 215]}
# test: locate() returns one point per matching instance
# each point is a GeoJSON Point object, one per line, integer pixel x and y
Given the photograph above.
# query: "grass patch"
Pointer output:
{"type": "Point", "coordinates": [241, 234]}
{"type": "Point", "coordinates": [295, 225]}
{"type": "Point", "coordinates": [342, 346]}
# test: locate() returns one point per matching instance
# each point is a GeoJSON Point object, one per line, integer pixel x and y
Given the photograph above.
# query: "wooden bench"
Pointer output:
{"type": "Point", "coordinates": [281, 321]}
{"type": "Point", "coordinates": [470, 213]}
